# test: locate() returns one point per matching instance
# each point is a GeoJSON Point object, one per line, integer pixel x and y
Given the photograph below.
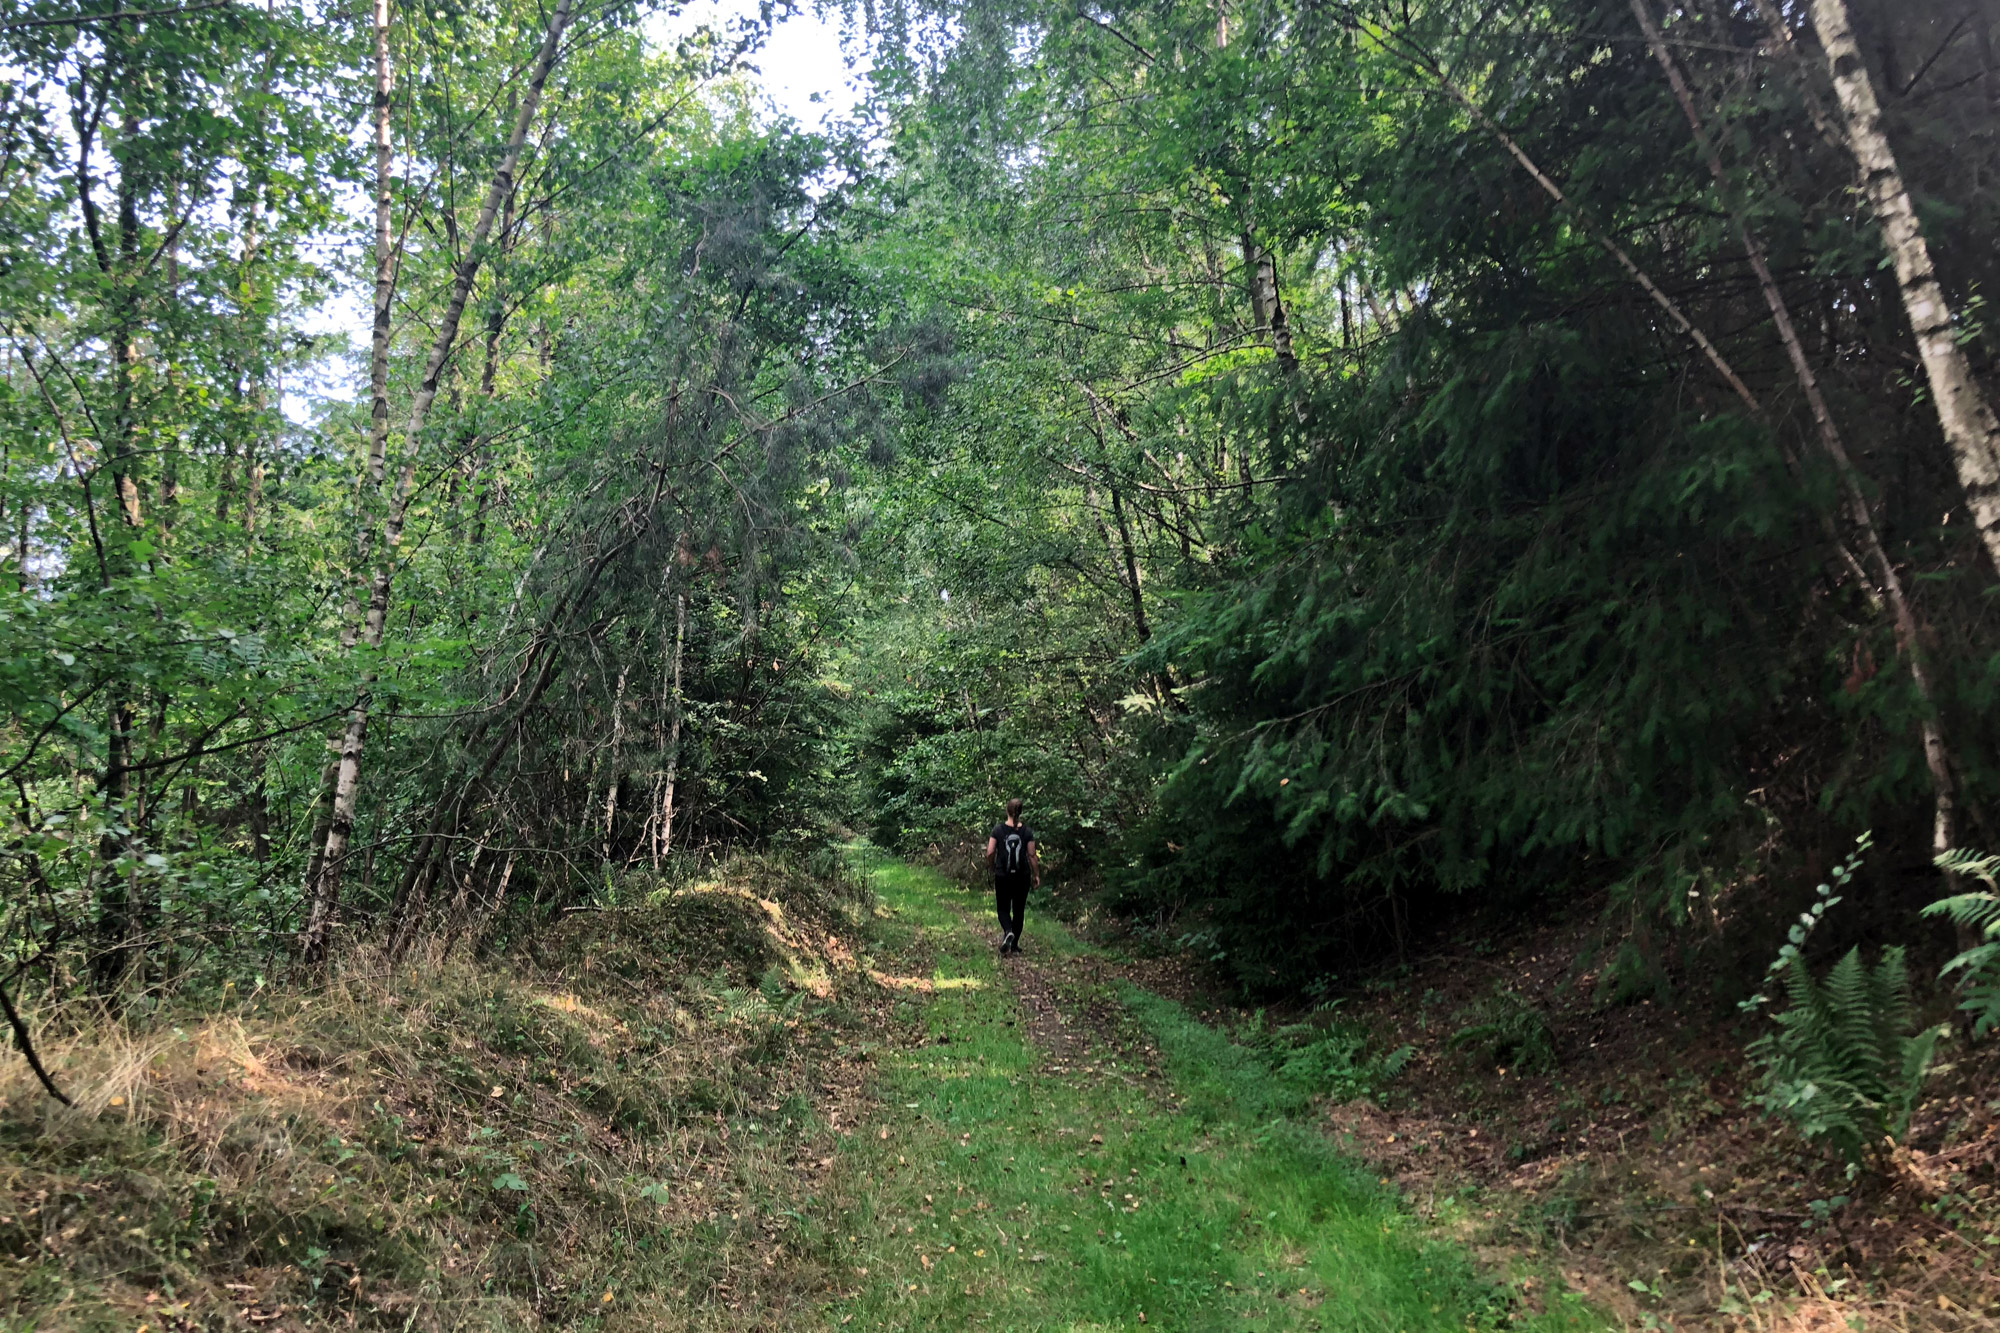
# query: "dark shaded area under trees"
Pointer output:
{"type": "Point", "coordinates": [1390, 499]}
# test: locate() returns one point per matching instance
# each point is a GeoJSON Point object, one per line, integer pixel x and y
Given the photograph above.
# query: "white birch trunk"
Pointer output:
{"type": "Point", "coordinates": [666, 839]}
{"type": "Point", "coordinates": [611, 764]}
{"type": "Point", "coordinates": [319, 890]}
{"type": "Point", "coordinates": [1937, 754]}
{"type": "Point", "coordinates": [1971, 430]}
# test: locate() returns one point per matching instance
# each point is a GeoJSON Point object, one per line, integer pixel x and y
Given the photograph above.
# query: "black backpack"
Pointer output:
{"type": "Point", "coordinates": [1011, 856]}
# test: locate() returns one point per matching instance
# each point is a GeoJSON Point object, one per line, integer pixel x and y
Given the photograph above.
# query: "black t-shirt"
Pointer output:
{"type": "Point", "coordinates": [1011, 856]}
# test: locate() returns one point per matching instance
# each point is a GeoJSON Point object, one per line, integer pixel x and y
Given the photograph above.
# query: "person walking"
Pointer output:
{"type": "Point", "coordinates": [1016, 863]}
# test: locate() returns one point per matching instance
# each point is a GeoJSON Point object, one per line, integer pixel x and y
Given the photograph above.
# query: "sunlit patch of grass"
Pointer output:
{"type": "Point", "coordinates": [925, 985]}
{"type": "Point", "coordinates": [995, 1194]}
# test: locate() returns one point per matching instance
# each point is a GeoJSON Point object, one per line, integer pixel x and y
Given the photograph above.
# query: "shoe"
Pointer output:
{"type": "Point", "coordinates": [1007, 942]}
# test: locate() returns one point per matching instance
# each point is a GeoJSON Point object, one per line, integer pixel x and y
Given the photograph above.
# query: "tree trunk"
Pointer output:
{"type": "Point", "coordinates": [477, 929]}
{"type": "Point", "coordinates": [325, 893]}
{"type": "Point", "coordinates": [322, 878]}
{"type": "Point", "coordinates": [1131, 563]}
{"type": "Point", "coordinates": [1971, 431]}
{"type": "Point", "coordinates": [253, 497]}
{"type": "Point", "coordinates": [496, 324]}
{"type": "Point", "coordinates": [117, 903]}
{"type": "Point", "coordinates": [1982, 36]}
{"type": "Point", "coordinates": [116, 898]}
{"type": "Point", "coordinates": [385, 274]}
{"type": "Point", "coordinates": [22, 544]}
{"type": "Point", "coordinates": [611, 764]}
{"type": "Point", "coordinates": [169, 440]}
{"type": "Point", "coordinates": [666, 839]}
{"type": "Point", "coordinates": [125, 454]}
{"type": "Point", "coordinates": [1266, 302]}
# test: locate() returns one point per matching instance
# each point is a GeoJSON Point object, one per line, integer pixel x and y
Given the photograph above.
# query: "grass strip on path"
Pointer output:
{"type": "Point", "coordinates": [998, 1193]}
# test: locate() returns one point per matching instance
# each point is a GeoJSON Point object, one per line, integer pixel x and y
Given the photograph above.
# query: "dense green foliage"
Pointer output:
{"type": "Point", "coordinates": [1976, 914]}
{"type": "Point", "coordinates": [1344, 539]}
{"type": "Point", "coordinates": [569, 616]}
{"type": "Point", "coordinates": [1339, 463]}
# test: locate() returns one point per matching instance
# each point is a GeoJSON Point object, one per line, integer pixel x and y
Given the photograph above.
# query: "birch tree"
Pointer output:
{"type": "Point", "coordinates": [1887, 578]}
{"type": "Point", "coordinates": [323, 892]}
{"type": "Point", "coordinates": [1971, 430]}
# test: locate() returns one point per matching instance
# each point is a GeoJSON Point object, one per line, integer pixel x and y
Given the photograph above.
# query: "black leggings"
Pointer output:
{"type": "Point", "coordinates": [1010, 901]}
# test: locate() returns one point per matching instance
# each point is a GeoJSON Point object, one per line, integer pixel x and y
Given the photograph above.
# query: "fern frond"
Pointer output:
{"type": "Point", "coordinates": [1799, 988]}
{"type": "Point", "coordinates": [1977, 961]}
{"type": "Point", "coordinates": [1918, 1052]}
{"type": "Point", "coordinates": [1983, 1002]}
{"type": "Point", "coordinates": [1889, 993]}
{"type": "Point", "coordinates": [1850, 1002]}
{"type": "Point", "coordinates": [1972, 911]}
{"type": "Point", "coordinates": [1981, 866]}
{"type": "Point", "coordinates": [1979, 966]}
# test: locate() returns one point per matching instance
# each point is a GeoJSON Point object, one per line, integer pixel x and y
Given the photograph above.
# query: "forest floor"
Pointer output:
{"type": "Point", "coordinates": [757, 1104]}
{"type": "Point", "coordinates": [1634, 1163]}
{"type": "Point", "coordinates": [767, 1102]}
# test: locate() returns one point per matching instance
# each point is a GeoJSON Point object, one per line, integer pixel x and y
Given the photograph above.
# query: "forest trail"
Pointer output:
{"type": "Point", "coordinates": [1060, 1150]}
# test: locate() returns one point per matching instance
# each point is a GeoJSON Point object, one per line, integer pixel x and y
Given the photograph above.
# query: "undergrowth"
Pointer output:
{"type": "Point", "coordinates": [1847, 1059]}
{"type": "Point", "coordinates": [616, 1134]}
{"type": "Point", "coordinates": [1507, 1030]}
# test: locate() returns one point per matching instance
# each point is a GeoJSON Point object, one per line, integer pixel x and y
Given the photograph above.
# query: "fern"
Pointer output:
{"type": "Point", "coordinates": [1333, 1060]}
{"type": "Point", "coordinates": [1843, 1064]}
{"type": "Point", "coordinates": [1979, 913]}
{"type": "Point", "coordinates": [1508, 1030]}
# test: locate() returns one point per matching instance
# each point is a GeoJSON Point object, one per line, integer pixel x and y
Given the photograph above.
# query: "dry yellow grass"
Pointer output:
{"type": "Point", "coordinates": [629, 1133]}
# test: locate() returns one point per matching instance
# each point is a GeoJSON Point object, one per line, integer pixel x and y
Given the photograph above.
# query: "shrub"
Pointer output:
{"type": "Point", "coordinates": [1337, 1063]}
{"type": "Point", "coordinates": [1327, 1059]}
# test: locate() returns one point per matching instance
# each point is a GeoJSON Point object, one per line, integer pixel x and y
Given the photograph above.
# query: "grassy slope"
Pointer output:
{"type": "Point", "coordinates": [986, 1202]}
{"type": "Point", "coordinates": [663, 1122]}
{"type": "Point", "coordinates": [625, 1132]}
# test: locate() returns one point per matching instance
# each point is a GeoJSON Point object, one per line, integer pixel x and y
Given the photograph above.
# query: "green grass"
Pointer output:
{"type": "Point", "coordinates": [1227, 1213]}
